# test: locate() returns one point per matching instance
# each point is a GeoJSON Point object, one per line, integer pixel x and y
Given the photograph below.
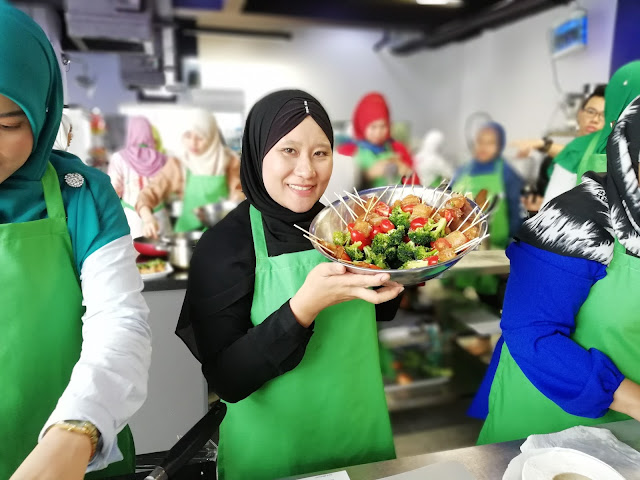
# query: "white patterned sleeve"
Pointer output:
{"type": "Point", "coordinates": [109, 382]}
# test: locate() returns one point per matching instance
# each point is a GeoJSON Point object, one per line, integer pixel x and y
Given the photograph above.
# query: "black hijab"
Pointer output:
{"type": "Point", "coordinates": [585, 221]}
{"type": "Point", "coordinates": [222, 269]}
{"type": "Point", "coordinates": [269, 120]}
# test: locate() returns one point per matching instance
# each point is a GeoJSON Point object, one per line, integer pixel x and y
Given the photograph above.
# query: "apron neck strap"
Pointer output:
{"type": "Point", "coordinates": [52, 193]}
{"type": "Point", "coordinates": [257, 231]}
{"type": "Point", "coordinates": [592, 145]}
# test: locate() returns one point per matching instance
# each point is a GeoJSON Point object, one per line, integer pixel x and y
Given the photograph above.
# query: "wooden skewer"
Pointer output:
{"type": "Point", "coordinates": [359, 197]}
{"type": "Point", "coordinates": [354, 198]}
{"type": "Point", "coordinates": [449, 222]}
{"type": "Point", "coordinates": [326, 249]}
{"type": "Point", "coordinates": [467, 217]}
{"type": "Point", "coordinates": [433, 192]}
{"type": "Point", "coordinates": [346, 224]}
{"type": "Point", "coordinates": [376, 202]}
{"type": "Point", "coordinates": [353, 214]}
{"type": "Point", "coordinates": [307, 232]}
{"type": "Point", "coordinates": [477, 220]}
{"type": "Point", "coordinates": [393, 193]}
{"type": "Point", "coordinates": [470, 242]}
{"type": "Point", "coordinates": [436, 204]}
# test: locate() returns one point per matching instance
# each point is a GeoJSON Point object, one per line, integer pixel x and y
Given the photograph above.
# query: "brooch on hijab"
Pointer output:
{"type": "Point", "coordinates": [74, 180]}
{"type": "Point", "coordinates": [306, 106]}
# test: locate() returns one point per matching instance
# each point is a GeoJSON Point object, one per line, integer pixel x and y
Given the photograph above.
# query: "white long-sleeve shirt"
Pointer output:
{"type": "Point", "coordinates": [109, 382]}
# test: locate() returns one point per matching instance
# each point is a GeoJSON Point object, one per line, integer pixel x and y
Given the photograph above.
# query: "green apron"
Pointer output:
{"type": "Point", "coordinates": [328, 412]}
{"type": "Point", "coordinates": [365, 159]}
{"type": "Point", "coordinates": [498, 224]}
{"type": "Point", "coordinates": [199, 190]}
{"type": "Point", "coordinates": [41, 328]}
{"type": "Point", "coordinates": [608, 321]}
{"type": "Point", "coordinates": [128, 206]}
{"type": "Point", "coordinates": [591, 162]}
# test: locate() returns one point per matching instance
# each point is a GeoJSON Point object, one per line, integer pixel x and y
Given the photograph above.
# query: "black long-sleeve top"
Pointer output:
{"type": "Point", "coordinates": [238, 358]}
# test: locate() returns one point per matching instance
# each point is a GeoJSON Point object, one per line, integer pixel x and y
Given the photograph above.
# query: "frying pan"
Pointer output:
{"type": "Point", "coordinates": [150, 247]}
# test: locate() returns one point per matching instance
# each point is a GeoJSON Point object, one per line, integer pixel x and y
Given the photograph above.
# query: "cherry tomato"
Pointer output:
{"type": "Point", "coordinates": [418, 223]}
{"type": "Point", "coordinates": [350, 226]}
{"type": "Point", "coordinates": [406, 239]}
{"type": "Point", "coordinates": [382, 209]}
{"type": "Point", "coordinates": [407, 208]}
{"type": "Point", "coordinates": [433, 260]}
{"type": "Point", "coordinates": [448, 214]}
{"type": "Point", "coordinates": [357, 236]}
{"type": "Point", "coordinates": [374, 231]}
{"type": "Point", "coordinates": [386, 226]}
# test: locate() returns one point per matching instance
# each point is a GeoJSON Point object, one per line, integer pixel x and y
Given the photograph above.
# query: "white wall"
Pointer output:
{"type": "Point", "coordinates": [506, 72]}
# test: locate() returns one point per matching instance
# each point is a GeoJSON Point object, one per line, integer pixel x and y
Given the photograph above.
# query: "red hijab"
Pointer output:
{"type": "Point", "coordinates": [372, 107]}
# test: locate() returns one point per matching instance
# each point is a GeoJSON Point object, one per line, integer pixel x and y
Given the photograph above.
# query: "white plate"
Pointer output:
{"type": "Point", "coordinates": [553, 461]}
{"type": "Point", "coordinates": [168, 270]}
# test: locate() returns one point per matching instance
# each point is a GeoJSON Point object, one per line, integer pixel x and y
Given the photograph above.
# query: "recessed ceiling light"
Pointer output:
{"type": "Point", "coordinates": [446, 3]}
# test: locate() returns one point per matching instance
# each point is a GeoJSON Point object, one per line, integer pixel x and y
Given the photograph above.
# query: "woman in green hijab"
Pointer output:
{"type": "Point", "coordinates": [587, 153]}
{"type": "Point", "coordinates": [75, 343]}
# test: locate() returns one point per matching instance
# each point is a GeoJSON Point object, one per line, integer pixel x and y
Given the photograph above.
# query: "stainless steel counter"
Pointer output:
{"type": "Point", "coordinates": [486, 462]}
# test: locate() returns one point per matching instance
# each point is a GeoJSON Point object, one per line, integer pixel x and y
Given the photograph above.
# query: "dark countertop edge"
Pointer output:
{"type": "Point", "coordinates": [168, 283]}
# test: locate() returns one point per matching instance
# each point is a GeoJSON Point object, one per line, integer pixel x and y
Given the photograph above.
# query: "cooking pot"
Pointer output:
{"type": "Point", "coordinates": [212, 213]}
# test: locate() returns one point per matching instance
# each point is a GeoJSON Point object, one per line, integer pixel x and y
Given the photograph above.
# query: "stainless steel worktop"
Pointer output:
{"type": "Point", "coordinates": [486, 462]}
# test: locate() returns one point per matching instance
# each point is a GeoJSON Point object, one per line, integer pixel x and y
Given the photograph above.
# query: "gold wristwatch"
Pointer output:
{"type": "Point", "coordinates": [83, 427]}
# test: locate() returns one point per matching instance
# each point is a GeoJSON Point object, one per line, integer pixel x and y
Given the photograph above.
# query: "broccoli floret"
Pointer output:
{"type": "Point", "coordinates": [376, 259]}
{"type": "Point", "coordinates": [439, 232]}
{"type": "Point", "coordinates": [391, 254]}
{"type": "Point", "coordinates": [421, 236]}
{"type": "Point", "coordinates": [422, 253]}
{"type": "Point", "coordinates": [400, 218]}
{"type": "Point", "coordinates": [341, 238]}
{"type": "Point", "coordinates": [396, 236]}
{"type": "Point", "coordinates": [354, 251]}
{"type": "Point", "coordinates": [406, 252]}
{"type": "Point", "coordinates": [413, 264]}
{"type": "Point", "coordinates": [380, 243]}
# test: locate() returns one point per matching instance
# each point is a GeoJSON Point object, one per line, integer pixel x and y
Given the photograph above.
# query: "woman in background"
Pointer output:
{"type": "Point", "coordinates": [207, 172]}
{"type": "Point", "coordinates": [588, 152]}
{"type": "Point", "coordinates": [489, 171]}
{"type": "Point", "coordinates": [381, 159]}
{"type": "Point", "coordinates": [132, 168]}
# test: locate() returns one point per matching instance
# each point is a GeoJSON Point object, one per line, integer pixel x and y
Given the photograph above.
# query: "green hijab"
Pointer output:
{"type": "Point", "coordinates": [30, 77]}
{"type": "Point", "coordinates": [622, 89]}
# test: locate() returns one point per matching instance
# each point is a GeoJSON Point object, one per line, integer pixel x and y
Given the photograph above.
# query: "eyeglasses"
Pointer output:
{"type": "Point", "coordinates": [593, 113]}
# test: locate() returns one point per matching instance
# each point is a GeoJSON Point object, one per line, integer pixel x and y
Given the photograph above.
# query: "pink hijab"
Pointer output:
{"type": "Point", "coordinates": [140, 152]}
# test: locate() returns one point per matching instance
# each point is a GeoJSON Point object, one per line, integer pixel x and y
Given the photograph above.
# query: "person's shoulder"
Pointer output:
{"type": "Point", "coordinates": [73, 173]}
{"type": "Point", "coordinates": [570, 156]}
{"type": "Point", "coordinates": [574, 224]}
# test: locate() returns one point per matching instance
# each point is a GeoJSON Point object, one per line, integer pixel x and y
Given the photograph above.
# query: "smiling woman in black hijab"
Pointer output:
{"type": "Point", "coordinates": [287, 339]}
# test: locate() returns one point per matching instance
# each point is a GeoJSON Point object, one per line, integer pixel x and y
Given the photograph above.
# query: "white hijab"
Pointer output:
{"type": "Point", "coordinates": [213, 160]}
{"type": "Point", "coordinates": [430, 164]}
{"type": "Point", "coordinates": [62, 139]}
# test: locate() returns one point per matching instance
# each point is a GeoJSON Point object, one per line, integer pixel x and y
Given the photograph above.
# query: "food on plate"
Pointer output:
{"type": "Point", "coordinates": [406, 234]}
{"type": "Point", "coordinates": [156, 265]}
